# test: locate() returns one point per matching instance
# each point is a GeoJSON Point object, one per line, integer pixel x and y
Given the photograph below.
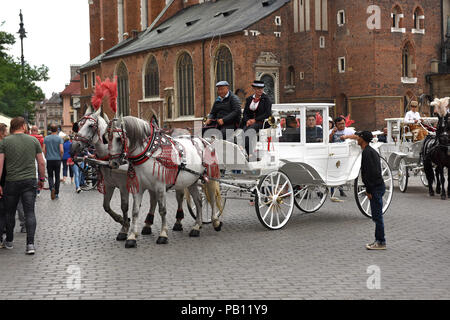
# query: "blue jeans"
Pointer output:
{"type": "Point", "coordinates": [24, 190]}
{"type": "Point", "coordinates": [376, 207]}
{"type": "Point", "coordinates": [76, 175]}
{"type": "Point", "coordinates": [65, 167]}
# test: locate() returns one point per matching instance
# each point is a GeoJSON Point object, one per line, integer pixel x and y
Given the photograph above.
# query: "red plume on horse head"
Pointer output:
{"type": "Point", "coordinates": [348, 121]}
{"type": "Point", "coordinates": [110, 88]}
{"type": "Point", "coordinates": [98, 94]}
{"type": "Point", "coordinates": [102, 89]}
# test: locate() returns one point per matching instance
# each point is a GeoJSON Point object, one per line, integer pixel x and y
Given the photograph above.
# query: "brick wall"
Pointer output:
{"type": "Point", "coordinates": [370, 89]}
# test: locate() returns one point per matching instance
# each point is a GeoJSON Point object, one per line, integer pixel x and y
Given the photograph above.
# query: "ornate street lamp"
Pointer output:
{"type": "Point", "coordinates": [22, 34]}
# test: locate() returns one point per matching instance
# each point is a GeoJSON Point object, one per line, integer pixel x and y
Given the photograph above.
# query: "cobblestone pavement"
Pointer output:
{"type": "Point", "coordinates": [317, 256]}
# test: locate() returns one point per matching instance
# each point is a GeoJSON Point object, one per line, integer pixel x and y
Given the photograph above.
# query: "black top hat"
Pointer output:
{"type": "Point", "coordinates": [258, 84]}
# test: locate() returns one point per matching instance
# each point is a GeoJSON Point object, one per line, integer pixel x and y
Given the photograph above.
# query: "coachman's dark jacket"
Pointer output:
{"type": "Point", "coordinates": [263, 112]}
{"type": "Point", "coordinates": [228, 109]}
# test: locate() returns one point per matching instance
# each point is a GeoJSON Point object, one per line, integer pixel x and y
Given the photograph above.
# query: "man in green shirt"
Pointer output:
{"type": "Point", "coordinates": [20, 152]}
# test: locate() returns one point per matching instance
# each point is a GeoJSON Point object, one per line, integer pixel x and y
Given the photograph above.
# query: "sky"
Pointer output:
{"type": "Point", "coordinates": [57, 36]}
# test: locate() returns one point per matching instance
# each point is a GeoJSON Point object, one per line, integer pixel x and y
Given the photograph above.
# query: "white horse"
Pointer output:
{"type": "Point", "coordinates": [156, 165]}
{"type": "Point", "coordinates": [92, 131]}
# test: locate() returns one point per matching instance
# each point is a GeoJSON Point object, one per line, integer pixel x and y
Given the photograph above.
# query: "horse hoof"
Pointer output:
{"type": "Point", "coordinates": [431, 194]}
{"type": "Point", "coordinates": [219, 227]}
{"type": "Point", "coordinates": [443, 197]}
{"type": "Point", "coordinates": [146, 231]}
{"type": "Point", "coordinates": [121, 237]}
{"type": "Point", "coordinates": [130, 244]}
{"type": "Point", "coordinates": [162, 240]}
{"type": "Point", "coordinates": [177, 227]}
{"type": "Point", "coordinates": [194, 233]}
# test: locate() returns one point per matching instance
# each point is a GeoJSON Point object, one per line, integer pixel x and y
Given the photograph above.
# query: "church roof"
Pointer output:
{"type": "Point", "coordinates": [199, 22]}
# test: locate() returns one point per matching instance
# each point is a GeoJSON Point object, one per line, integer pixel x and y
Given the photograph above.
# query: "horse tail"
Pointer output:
{"type": "Point", "coordinates": [187, 196]}
{"type": "Point", "coordinates": [212, 188]}
{"type": "Point", "coordinates": [219, 198]}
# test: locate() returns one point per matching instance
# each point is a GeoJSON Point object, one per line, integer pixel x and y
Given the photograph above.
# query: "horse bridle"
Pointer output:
{"type": "Point", "coordinates": [123, 137]}
{"type": "Point", "coordinates": [81, 123]}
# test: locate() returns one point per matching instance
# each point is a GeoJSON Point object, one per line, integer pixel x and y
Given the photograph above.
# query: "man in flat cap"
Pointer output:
{"type": "Point", "coordinates": [375, 187]}
{"type": "Point", "coordinates": [226, 110]}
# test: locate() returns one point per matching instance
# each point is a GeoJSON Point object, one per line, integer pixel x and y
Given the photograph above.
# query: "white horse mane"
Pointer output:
{"type": "Point", "coordinates": [441, 106]}
{"type": "Point", "coordinates": [137, 130]}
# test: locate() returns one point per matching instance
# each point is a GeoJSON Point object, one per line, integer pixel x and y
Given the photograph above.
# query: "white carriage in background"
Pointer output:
{"type": "Point", "coordinates": [402, 151]}
{"type": "Point", "coordinates": [293, 174]}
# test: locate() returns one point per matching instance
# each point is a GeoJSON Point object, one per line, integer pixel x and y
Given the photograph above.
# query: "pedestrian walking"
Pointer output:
{"type": "Point", "coordinates": [66, 167]}
{"type": "Point", "coordinates": [76, 175]}
{"type": "Point", "coordinates": [375, 187]}
{"type": "Point", "coordinates": [53, 151]}
{"type": "Point", "coordinates": [3, 134]}
{"type": "Point", "coordinates": [35, 133]}
{"type": "Point", "coordinates": [18, 154]}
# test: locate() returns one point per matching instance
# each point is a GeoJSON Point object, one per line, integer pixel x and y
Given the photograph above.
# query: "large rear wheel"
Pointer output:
{"type": "Point", "coordinates": [361, 198]}
{"type": "Point", "coordinates": [274, 201]}
{"type": "Point", "coordinates": [309, 199]}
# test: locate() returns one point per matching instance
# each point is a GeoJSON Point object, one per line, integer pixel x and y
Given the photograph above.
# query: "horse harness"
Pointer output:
{"type": "Point", "coordinates": [164, 166]}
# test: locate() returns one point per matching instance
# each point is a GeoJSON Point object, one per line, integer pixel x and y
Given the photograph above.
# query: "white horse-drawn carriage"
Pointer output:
{"type": "Point", "coordinates": [293, 174]}
{"type": "Point", "coordinates": [402, 151]}
{"type": "Point", "coordinates": [287, 173]}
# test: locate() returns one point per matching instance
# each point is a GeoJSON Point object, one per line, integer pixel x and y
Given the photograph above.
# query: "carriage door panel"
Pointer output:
{"type": "Point", "coordinates": [316, 155]}
{"type": "Point", "coordinates": [338, 163]}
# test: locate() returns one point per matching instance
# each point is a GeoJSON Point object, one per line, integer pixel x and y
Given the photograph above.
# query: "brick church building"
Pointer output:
{"type": "Point", "coordinates": [369, 58]}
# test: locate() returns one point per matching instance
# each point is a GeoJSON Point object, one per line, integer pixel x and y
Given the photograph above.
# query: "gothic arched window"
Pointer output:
{"type": "Point", "coordinates": [408, 66]}
{"type": "Point", "coordinates": [224, 66]}
{"type": "Point", "coordinates": [185, 85]}
{"type": "Point", "coordinates": [123, 94]}
{"type": "Point", "coordinates": [151, 78]}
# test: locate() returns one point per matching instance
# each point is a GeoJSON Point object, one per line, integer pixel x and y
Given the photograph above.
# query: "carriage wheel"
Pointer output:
{"type": "Point", "coordinates": [423, 178]}
{"type": "Point", "coordinates": [361, 198]}
{"type": "Point", "coordinates": [274, 201]}
{"type": "Point", "coordinates": [403, 175]}
{"type": "Point", "coordinates": [90, 179]}
{"type": "Point", "coordinates": [309, 199]}
{"type": "Point", "coordinates": [206, 207]}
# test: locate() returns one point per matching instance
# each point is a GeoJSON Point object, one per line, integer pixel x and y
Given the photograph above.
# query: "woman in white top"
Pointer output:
{"type": "Point", "coordinates": [412, 116]}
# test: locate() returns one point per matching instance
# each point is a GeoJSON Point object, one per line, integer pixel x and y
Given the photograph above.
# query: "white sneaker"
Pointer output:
{"type": "Point", "coordinates": [78, 190]}
{"type": "Point", "coordinates": [30, 249]}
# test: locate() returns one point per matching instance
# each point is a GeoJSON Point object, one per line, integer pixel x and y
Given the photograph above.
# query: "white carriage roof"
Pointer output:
{"type": "Point", "coordinates": [292, 107]}
{"type": "Point", "coordinates": [403, 119]}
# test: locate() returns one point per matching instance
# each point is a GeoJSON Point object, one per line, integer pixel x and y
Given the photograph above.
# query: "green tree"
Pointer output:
{"type": "Point", "coordinates": [18, 91]}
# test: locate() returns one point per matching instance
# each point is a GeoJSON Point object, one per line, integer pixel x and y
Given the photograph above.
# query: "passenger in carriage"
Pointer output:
{"type": "Point", "coordinates": [340, 132]}
{"type": "Point", "coordinates": [314, 133]}
{"type": "Point", "coordinates": [413, 120]}
{"type": "Point", "coordinates": [258, 108]}
{"type": "Point", "coordinates": [292, 132]}
{"type": "Point", "coordinates": [226, 110]}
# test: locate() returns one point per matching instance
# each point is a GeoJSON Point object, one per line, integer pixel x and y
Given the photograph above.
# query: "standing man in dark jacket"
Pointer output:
{"type": "Point", "coordinates": [258, 108]}
{"type": "Point", "coordinates": [375, 187]}
{"type": "Point", "coordinates": [226, 110]}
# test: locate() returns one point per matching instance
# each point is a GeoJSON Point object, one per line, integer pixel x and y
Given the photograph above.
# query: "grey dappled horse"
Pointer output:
{"type": "Point", "coordinates": [132, 138]}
